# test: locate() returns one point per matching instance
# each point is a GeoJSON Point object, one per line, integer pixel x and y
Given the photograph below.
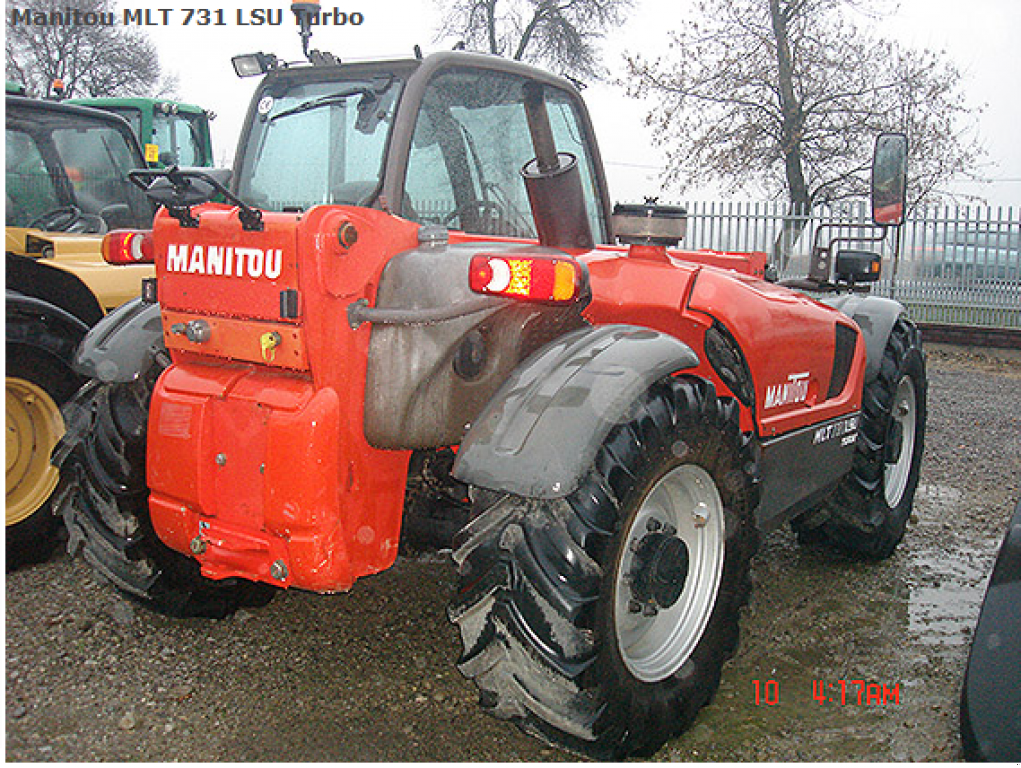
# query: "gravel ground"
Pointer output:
{"type": "Point", "coordinates": [370, 676]}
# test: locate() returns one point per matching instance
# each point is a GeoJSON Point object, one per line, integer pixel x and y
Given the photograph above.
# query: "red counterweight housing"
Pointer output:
{"type": "Point", "coordinates": [258, 463]}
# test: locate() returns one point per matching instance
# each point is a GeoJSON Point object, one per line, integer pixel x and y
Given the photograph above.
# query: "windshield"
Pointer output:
{"type": "Point", "coordinates": [132, 114]}
{"type": "Point", "coordinates": [318, 143]}
{"type": "Point", "coordinates": [178, 138]}
{"type": "Point", "coordinates": [56, 160]}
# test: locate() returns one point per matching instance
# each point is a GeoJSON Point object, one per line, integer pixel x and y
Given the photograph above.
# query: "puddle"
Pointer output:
{"type": "Point", "coordinates": [946, 578]}
{"type": "Point", "coordinates": [944, 608]}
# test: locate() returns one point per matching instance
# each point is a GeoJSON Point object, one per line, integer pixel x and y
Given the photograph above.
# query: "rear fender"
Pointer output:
{"type": "Point", "coordinates": [876, 317]}
{"type": "Point", "coordinates": [51, 284]}
{"type": "Point", "coordinates": [123, 344]}
{"type": "Point", "coordinates": [541, 430]}
{"type": "Point", "coordinates": [25, 315]}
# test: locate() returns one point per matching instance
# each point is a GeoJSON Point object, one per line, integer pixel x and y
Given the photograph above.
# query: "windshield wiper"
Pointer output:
{"type": "Point", "coordinates": [329, 100]}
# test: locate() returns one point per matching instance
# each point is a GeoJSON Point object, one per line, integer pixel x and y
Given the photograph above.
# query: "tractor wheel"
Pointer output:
{"type": "Point", "coordinates": [37, 384]}
{"type": "Point", "coordinates": [104, 501]}
{"type": "Point", "coordinates": [600, 622]}
{"type": "Point", "coordinates": [868, 513]}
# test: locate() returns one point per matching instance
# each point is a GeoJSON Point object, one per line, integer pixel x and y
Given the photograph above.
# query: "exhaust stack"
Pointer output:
{"type": "Point", "coordinates": [553, 182]}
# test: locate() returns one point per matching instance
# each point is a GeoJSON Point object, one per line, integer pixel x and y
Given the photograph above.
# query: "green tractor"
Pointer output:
{"type": "Point", "coordinates": [171, 132]}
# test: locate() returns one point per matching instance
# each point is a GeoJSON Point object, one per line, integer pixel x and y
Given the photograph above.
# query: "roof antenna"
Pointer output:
{"type": "Point", "coordinates": [418, 52]}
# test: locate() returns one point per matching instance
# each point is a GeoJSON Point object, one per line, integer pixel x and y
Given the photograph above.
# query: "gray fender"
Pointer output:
{"type": "Point", "coordinates": [540, 432]}
{"type": "Point", "coordinates": [876, 317]}
{"type": "Point", "coordinates": [123, 344]}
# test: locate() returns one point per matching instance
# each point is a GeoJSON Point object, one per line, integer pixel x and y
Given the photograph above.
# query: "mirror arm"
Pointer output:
{"type": "Point", "coordinates": [821, 268]}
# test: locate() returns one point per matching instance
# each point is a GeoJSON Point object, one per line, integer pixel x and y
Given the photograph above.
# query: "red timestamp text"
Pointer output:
{"type": "Point", "coordinates": [846, 692]}
{"type": "Point", "coordinates": [858, 692]}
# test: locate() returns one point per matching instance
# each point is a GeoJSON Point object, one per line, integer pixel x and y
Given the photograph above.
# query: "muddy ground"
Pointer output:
{"type": "Point", "coordinates": [370, 676]}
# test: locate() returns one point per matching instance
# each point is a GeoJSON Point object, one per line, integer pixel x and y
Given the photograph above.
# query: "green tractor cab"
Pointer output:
{"type": "Point", "coordinates": [171, 132]}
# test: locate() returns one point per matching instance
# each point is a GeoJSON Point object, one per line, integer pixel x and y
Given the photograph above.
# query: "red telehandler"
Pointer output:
{"type": "Point", "coordinates": [417, 316]}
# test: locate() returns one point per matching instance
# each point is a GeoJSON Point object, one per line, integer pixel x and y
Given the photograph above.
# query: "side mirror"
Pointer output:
{"type": "Point", "coordinates": [889, 179]}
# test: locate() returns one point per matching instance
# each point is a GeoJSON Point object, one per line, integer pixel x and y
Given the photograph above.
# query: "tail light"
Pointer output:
{"type": "Point", "coordinates": [128, 246]}
{"type": "Point", "coordinates": [533, 278]}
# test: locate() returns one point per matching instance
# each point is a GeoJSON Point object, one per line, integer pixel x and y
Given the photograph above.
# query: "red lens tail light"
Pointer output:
{"type": "Point", "coordinates": [128, 246]}
{"type": "Point", "coordinates": [532, 278]}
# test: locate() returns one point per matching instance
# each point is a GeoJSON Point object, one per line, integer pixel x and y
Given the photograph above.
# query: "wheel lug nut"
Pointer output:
{"type": "Point", "coordinates": [650, 610]}
{"type": "Point", "coordinates": [669, 530]}
{"type": "Point", "coordinates": [653, 525]}
{"type": "Point", "coordinates": [634, 606]}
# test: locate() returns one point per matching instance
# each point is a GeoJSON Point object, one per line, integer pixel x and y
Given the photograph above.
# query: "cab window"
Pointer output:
{"type": "Point", "coordinates": [177, 140]}
{"type": "Point", "coordinates": [470, 142]}
{"type": "Point", "coordinates": [30, 188]}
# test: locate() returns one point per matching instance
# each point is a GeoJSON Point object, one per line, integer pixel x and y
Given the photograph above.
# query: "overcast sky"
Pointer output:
{"type": "Point", "coordinates": [980, 36]}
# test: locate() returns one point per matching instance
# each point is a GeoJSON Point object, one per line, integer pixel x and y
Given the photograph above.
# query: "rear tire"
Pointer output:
{"type": "Point", "coordinates": [867, 515]}
{"type": "Point", "coordinates": [37, 384]}
{"type": "Point", "coordinates": [600, 622]}
{"type": "Point", "coordinates": [103, 498]}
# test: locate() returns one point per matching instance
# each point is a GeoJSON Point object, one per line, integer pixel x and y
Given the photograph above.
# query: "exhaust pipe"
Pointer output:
{"type": "Point", "coordinates": [553, 182]}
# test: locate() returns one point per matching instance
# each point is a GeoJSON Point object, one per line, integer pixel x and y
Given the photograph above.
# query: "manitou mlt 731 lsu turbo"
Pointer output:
{"type": "Point", "coordinates": [408, 321]}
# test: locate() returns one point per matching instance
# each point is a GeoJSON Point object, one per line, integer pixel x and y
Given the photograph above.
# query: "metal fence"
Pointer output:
{"type": "Point", "coordinates": [953, 265]}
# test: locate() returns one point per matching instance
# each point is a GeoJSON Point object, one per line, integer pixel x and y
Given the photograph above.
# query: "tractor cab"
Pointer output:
{"type": "Point", "coordinates": [436, 141]}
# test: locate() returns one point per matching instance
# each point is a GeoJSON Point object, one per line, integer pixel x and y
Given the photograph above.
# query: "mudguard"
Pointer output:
{"type": "Point", "coordinates": [23, 315]}
{"type": "Point", "coordinates": [58, 287]}
{"type": "Point", "coordinates": [121, 345]}
{"type": "Point", "coordinates": [876, 317]}
{"type": "Point", "coordinates": [540, 432]}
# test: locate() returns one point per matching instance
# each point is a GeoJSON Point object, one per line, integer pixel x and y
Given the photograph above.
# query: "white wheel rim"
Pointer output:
{"type": "Point", "coordinates": [905, 419]}
{"type": "Point", "coordinates": [656, 645]}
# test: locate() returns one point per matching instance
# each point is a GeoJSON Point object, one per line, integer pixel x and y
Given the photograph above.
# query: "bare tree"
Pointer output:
{"type": "Point", "coordinates": [91, 59]}
{"type": "Point", "coordinates": [789, 95]}
{"type": "Point", "coordinates": [563, 35]}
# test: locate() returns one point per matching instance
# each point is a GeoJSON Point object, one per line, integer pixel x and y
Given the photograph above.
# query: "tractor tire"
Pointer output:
{"type": "Point", "coordinates": [38, 382]}
{"type": "Point", "coordinates": [867, 515]}
{"type": "Point", "coordinates": [103, 498]}
{"type": "Point", "coordinates": [600, 622]}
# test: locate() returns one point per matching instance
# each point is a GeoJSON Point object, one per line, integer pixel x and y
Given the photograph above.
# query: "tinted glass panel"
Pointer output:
{"type": "Point", "coordinates": [97, 162]}
{"type": "Point", "coordinates": [470, 142]}
{"type": "Point", "coordinates": [62, 159]}
{"type": "Point", "coordinates": [318, 143]}
{"type": "Point", "coordinates": [30, 192]}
